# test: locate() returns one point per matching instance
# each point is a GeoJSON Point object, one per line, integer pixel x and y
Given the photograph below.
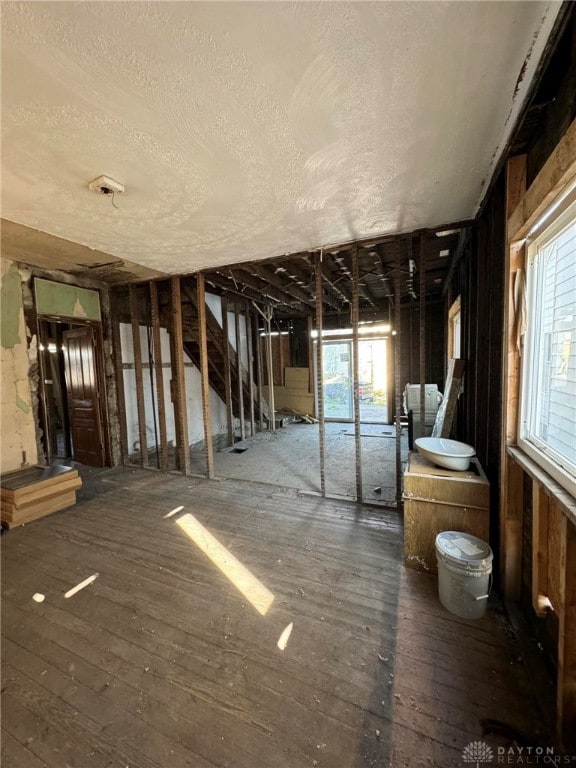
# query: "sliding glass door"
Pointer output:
{"type": "Point", "coordinates": [337, 380]}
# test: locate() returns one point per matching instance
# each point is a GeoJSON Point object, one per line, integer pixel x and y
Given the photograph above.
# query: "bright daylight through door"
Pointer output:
{"type": "Point", "coordinates": [338, 380]}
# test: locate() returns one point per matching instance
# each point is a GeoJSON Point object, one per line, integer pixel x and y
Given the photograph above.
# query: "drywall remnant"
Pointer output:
{"type": "Point", "coordinates": [11, 304]}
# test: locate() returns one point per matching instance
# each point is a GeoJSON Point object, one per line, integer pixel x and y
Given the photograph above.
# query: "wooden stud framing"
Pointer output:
{"type": "Point", "coordinates": [512, 562]}
{"type": "Point", "coordinates": [119, 371]}
{"type": "Point", "coordinates": [310, 327]}
{"type": "Point", "coordinates": [178, 380]}
{"type": "Point", "coordinates": [250, 346]}
{"type": "Point", "coordinates": [259, 374]}
{"type": "Point", "coordinates": [239, 370]}
{"type": "Point", "coordinates": [510, 532]}
{"type": "Point", "coordinates": [558, 172]}
{"type": "Point", "coordinates": [135, 321]}
{"type": "Point", "coordinates": [422, 360]}
{"type": "Point", "coordinates": [204, 374]}
{"type": "Point", "coordinates": [356, 372]}
{"type": "Point", "coordinates": [281, 355]}
{"type": "Point", "coordinates": [227, 373]}
{"type": "Point", "coordinates": [159, 370]}
{"type": "Point", "coordinates": [515, 182]}
{"type": "Point", "coordinates": [397, 385]}
{"type": "Point", "coordinates": [566, 682]}
{"type": "Point", "coordinates": [320, 370]}
{"type": "Point", "coordinates": [270, 365]}
{"type": "Point", "coordinates": [540, 501]}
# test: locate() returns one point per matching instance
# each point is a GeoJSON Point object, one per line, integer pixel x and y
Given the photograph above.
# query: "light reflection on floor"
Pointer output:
{"type": "Point", "coordinates": [244, 581]}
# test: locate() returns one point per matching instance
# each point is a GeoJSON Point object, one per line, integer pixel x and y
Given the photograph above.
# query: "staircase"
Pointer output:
{"type": "Point", "coordinates": [216, 368]}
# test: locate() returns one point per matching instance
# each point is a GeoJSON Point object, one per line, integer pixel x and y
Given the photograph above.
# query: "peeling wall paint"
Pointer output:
{"type": "Point", "coordinates": [17, 417]}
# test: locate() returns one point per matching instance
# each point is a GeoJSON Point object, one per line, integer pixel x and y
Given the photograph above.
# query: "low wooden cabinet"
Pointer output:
{"type": "Point", "coordinates": [436, 500]}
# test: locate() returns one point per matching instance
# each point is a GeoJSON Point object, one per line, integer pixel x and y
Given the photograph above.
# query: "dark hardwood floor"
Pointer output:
{"type": "Point", "coordinates": [162, 662]}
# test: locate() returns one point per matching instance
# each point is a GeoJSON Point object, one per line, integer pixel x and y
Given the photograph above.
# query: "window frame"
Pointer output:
{"type": "Point", "coordinates": [454, 312]}
{"type": "Point", "coordinates": [546, 457]}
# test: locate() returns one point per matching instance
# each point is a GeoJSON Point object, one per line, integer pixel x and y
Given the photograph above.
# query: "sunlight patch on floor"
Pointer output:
{"type": "Point", "coordinates": [244, 581]}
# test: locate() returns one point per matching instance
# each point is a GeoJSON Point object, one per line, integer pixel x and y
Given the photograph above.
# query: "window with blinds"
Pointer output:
{"type": "Point", "coordinates": [548, 407]}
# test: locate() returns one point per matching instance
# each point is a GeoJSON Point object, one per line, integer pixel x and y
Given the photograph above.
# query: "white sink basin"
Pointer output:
{"type": "Point", "coordinates": [445, 453]}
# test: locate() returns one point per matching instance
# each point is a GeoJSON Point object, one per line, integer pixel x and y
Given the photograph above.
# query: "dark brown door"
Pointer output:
{"type": "Point", "coordinates": [83, 396]}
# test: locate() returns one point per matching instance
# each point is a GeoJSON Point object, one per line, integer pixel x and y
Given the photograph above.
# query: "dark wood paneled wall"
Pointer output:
{"type": "Point", "coordinates": [410, 344]}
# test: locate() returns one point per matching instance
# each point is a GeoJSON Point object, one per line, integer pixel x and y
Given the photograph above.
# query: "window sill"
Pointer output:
{"type": "Point", "coordinates": [564, 499]}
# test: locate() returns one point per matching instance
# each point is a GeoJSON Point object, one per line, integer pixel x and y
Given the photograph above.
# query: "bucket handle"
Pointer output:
{"type": "Point", "coordinates": [484, 597]}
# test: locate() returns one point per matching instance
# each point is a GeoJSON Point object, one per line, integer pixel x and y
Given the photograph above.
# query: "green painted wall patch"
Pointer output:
{"type": "Point", "coordinates": [11, 304]}
{"type": "Point", "coordinates": [63, 300]}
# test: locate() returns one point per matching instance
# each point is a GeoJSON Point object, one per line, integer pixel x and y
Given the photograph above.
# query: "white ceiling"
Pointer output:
{"type": "Point", "coordinates": [249, 130]}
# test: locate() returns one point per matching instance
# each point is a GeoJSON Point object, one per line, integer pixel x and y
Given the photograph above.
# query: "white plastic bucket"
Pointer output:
{"type": "Point", "coordinates": [464, 573]}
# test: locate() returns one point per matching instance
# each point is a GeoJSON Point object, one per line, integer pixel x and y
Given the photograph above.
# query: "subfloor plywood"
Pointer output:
{"type": "Point", "coordinates": [162, 662]}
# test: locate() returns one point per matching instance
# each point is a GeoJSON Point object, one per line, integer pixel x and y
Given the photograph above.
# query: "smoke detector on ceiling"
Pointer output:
{"type": "Point", "coordinates": [106, 186]}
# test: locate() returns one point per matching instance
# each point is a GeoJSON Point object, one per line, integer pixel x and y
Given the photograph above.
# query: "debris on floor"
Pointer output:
{"type": "Point", "coordinates": [38, 597]}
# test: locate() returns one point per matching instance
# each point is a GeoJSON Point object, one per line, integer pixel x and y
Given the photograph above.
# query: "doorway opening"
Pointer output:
{"type": "Point", "coordinates": [73, 412]}
{"type": "Point", "coordinates": [373, 383]}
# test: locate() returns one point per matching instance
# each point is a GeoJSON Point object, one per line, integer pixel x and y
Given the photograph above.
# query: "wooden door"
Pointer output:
{"type": "Point", "coordinates": [83, 396]}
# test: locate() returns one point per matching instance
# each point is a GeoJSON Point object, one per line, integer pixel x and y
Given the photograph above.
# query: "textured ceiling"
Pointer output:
{"type": "Point", "coordinates": [245, 131]}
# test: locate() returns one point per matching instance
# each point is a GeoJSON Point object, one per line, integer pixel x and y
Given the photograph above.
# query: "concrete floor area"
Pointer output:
{"type": "Point", "coordinates": [290, 458]}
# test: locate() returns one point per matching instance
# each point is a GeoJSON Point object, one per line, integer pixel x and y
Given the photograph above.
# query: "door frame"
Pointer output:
{"type": "Point", "coordinates": [389, 377]}
{"type": "Point", "coordinates": [100, 376]}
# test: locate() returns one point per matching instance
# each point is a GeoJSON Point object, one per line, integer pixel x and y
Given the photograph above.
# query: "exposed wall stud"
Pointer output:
{"type": "Point", "coordinates": [250, 346]}
{"type": "Point", "coordinates": [178, 380]}
{"type": "Point", "coordinates": [239, 370]}
{"type": "Point", "coordinates": [119, 372]}
{"type": "Point", "coordinates": [422, 362]}
{"type": "Point", "coordinates": [356, 371]}
{"type": "Point", "coordinates": [159, 371]}
{"type": "Point", "coordinates": [320, 370]}
{"type": "Point", "coordinates": [227, 373]}
{"type": "Point", "coordinates": [259, 375]}
{"type": "Point", "coordinates": [397, 385]}
{"type": "Point", "coordinates": [135, 321]}
{"type": "Point", "coordinates": [205, 378]}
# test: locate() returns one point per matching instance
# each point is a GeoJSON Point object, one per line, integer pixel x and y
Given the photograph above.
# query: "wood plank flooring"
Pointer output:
{"type": "Point", "coordinates": [162, 662]}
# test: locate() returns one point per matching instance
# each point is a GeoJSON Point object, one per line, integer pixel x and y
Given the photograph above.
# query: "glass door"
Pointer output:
{"type": "Point", "coordinates": [372, 390]}
{"type": "Point", "coordinates": [337, 380]}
